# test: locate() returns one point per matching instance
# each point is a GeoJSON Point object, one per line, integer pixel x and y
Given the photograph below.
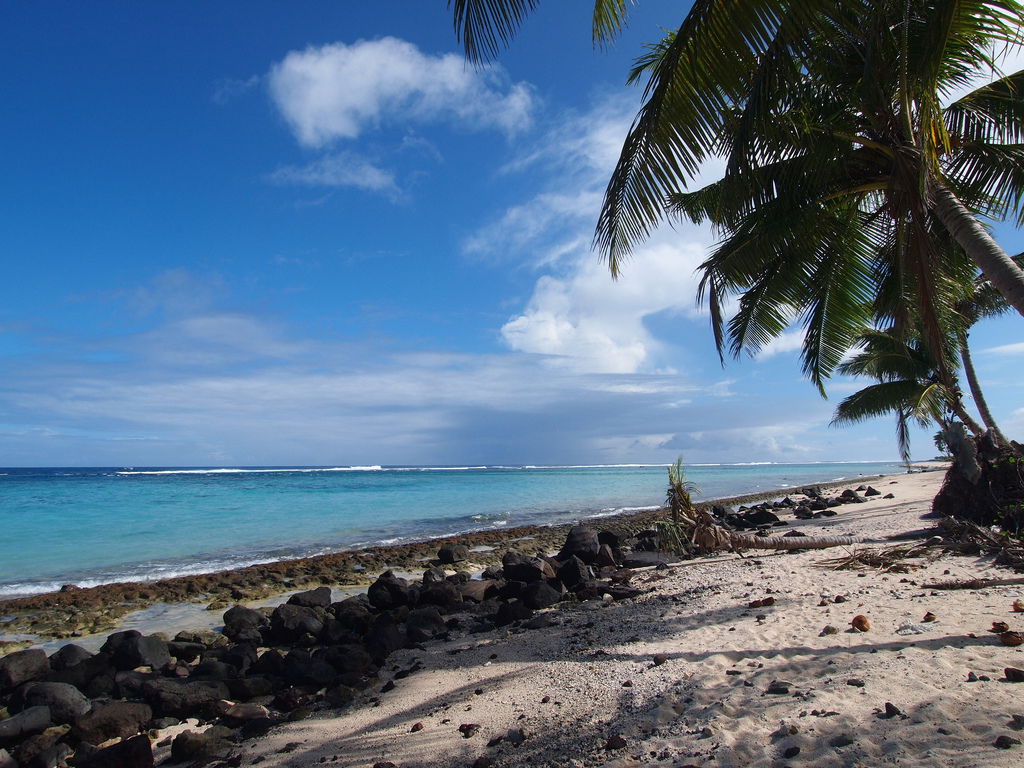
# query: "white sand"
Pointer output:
{"type": "Point", "coordinates": [689, 710]}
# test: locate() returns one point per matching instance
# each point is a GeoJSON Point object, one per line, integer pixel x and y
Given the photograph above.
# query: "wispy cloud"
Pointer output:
{"type": "Point", "coordinates": [225, 386]}
{"type": "Point", "coordinates": [339, 169]}
{"type": "Point", "coordinates": [338, 91]}
{"type": "Point", "coordinates": [1006, 350]}
{"type": "Point", "coordinates": [577, 316]}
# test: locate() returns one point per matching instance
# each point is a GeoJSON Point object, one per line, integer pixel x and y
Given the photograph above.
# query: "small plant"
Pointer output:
{"type": "Point", "coordinates": [679, 492]}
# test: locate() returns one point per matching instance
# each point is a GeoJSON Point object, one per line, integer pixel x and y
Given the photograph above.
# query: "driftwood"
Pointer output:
{"type": "Point", "coordinates": [698, 532]}
{"type": "Point", "coordinates": [887, 559]}
{"type": "Point", "coordinates": [973, 583]}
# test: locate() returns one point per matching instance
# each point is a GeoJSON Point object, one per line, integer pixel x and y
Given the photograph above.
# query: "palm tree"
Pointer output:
{"type": "Point", "coordinates": [817, 104]}
{"type": "Point", "coordinates": [908, 384]}
{"type": "Point", "coordinates": [980, 302]}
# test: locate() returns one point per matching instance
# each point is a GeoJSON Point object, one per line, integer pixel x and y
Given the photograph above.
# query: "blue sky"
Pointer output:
{"type": "Point", "coordinates": [308, 233]}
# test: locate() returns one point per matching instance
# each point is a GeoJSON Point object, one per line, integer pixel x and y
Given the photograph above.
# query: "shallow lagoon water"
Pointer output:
{"type": "Point", "coordinates": [90, 526]}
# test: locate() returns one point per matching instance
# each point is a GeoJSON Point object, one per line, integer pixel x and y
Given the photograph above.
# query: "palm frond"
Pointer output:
{"type": "Point", "coordinates": [484, 27]}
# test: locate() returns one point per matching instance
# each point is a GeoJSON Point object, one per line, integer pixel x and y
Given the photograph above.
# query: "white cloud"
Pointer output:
{"type": "Point", "coordinates": [337, 91]}
{"type": "Point", "coordinates": [590, 322]}
{"type": "Point", "coordinates": [341, 169]}
{"type": "Point", "coordinates": [1006, 349]}
{"type": "Point", "coordinates": [577, 315]}
{"type": "Point", "coordinates": [788, 341]}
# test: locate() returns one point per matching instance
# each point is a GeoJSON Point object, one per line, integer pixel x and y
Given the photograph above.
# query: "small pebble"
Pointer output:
{"type": "Point", "coordinates": [615, 742]}
{"type": "Point", "coordinates": [891, 710]}
{"type": "Point", "coordinates": [1006, 742]}
{"type": "Point", "coordinates": [1014, 675]}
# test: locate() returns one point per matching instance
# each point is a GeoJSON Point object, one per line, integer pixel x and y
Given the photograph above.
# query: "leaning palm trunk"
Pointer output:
{"type": "Point", "coordinates": [957, 406]}
{"type": "Point", "coordinates": [993, 261]}
{"type": "Point", "coordinates": [704, 536]}
{"type": "Point", "coordinates": [979, 398]}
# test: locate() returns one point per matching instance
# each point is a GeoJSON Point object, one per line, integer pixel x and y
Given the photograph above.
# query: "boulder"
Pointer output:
{"type": "Point", "coordinates": [605, 557]}
{"type": "Point", "coordinates": [184, 699]}
{"type": "Point", "coordinates": [353, 613]}
{"type": "Point", "coordinates": [25, 723]}
{"type": "Point", "coordinates": [68, 656]}
{"type": "Point", "coordinates": [241, 656]}
{"type": "Point", "coordinates": [211, 743]}
{"type": "Point", "coordinates": [136, 752]}
{"type": "Point", "coordinates": [540, 594]}
{"type": "Point", "coordinates": [66, 703]}
{"type": "Point", "coordinates": [384, 637]}
{"type": "Point", "coordinates": [581, 542]}
{"type": "Point", "coordinates": [130, 649]}
{"type": "Point", "coordinates": [527, 569]}
{"type": "Point", "coordinates": [116, 720]}
{"type": "Point", "coordinates": [93, 676]}
{"type": "Point", "coordinates": [289, 623]}
{"type": "Point", "coordinates": [389, 591]}
{"type": "Point", "coordinates": [206, 637]}
{"type": "Point", "coordinates": [335, 632]}
{"type": "Point", "coordinates": [185, 652]}
{"type": "Point", "coordinates": [510, 611]}
{"type": "Point", "coordinates": [314, 598]}
{"type": "Point", "coordinates": [302, 668]}
{"type": "Point", "coordinates": [424, 624]}
{"type": "Point", "coordinates": [434, 576]}
{"type": "Point", "coordinates": [350, 661]}
{"type": "Point", "coordinates": [43, 750]}
{"type": "Point", "coordinates": [240, 713]}
{"type": "Point", "coordinates": [341, 695]}
{"type": "Point", "coordinates": [646, 559]}
{"type": "Point", "coordinates": [573, 572]}
{"type": "Point", "coordinates": [476, 591]}
{"type": "Point", "coordinates": [871, 491]}
{"type": "Point", "coordinates": [245, 688]}
{"type": "Point", "coordinates": [213, 670]}
{"type": "Point", "coordinates": [511, 589]}
{"type": "Point", "coordinates": [453, 553]}
{"type": "Point", "coordinates": [445, 594]}
{"type": "Point", "coordinates": [21, 667]}
{"type": "Point", "coordinates": [243, 624]}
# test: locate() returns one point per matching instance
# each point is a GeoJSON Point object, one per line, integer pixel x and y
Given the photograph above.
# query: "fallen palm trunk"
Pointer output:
{"type": "Point", "coordinates": [973, 584]}
{"type": "Point", "coordinates": [699, 532]}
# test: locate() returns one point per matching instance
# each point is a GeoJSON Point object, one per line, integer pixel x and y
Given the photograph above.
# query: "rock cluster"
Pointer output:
{"type": "Point", "coordinates": [814, 505]}
{"type": "Point", "coordinates": [267, 666]}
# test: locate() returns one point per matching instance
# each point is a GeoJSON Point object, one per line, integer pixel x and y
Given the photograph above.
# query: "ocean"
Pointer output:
{"type": "Point", "coordinates": [89, 526]}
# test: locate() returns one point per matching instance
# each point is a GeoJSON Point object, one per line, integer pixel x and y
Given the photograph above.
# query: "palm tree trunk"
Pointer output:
{"type": "Point", "coordinates": [746, 541]}
{"type": "Point", "coordinates": [961, 413]}
{"type": "Point", "coordinates": [979, 398]}
{"type": "Point", "coordinates": [993, 261]}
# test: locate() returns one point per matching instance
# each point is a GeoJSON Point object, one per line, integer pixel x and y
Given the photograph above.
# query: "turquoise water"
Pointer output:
{"type": "Point", "coordinates": [91, 526]}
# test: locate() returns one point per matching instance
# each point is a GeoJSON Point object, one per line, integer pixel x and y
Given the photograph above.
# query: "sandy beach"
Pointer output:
{"type": "Point", "coordinates": [688, 674]}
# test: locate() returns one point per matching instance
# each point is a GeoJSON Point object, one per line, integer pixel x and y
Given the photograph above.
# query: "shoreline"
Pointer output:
{"type": "Point", "coordinates": [723, 661]}
{"type": "Point", "coordinates": [76, 612]}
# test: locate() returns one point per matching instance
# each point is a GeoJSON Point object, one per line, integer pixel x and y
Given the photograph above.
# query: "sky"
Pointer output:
{"type": "Point", "coordinates": [310, 234]}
